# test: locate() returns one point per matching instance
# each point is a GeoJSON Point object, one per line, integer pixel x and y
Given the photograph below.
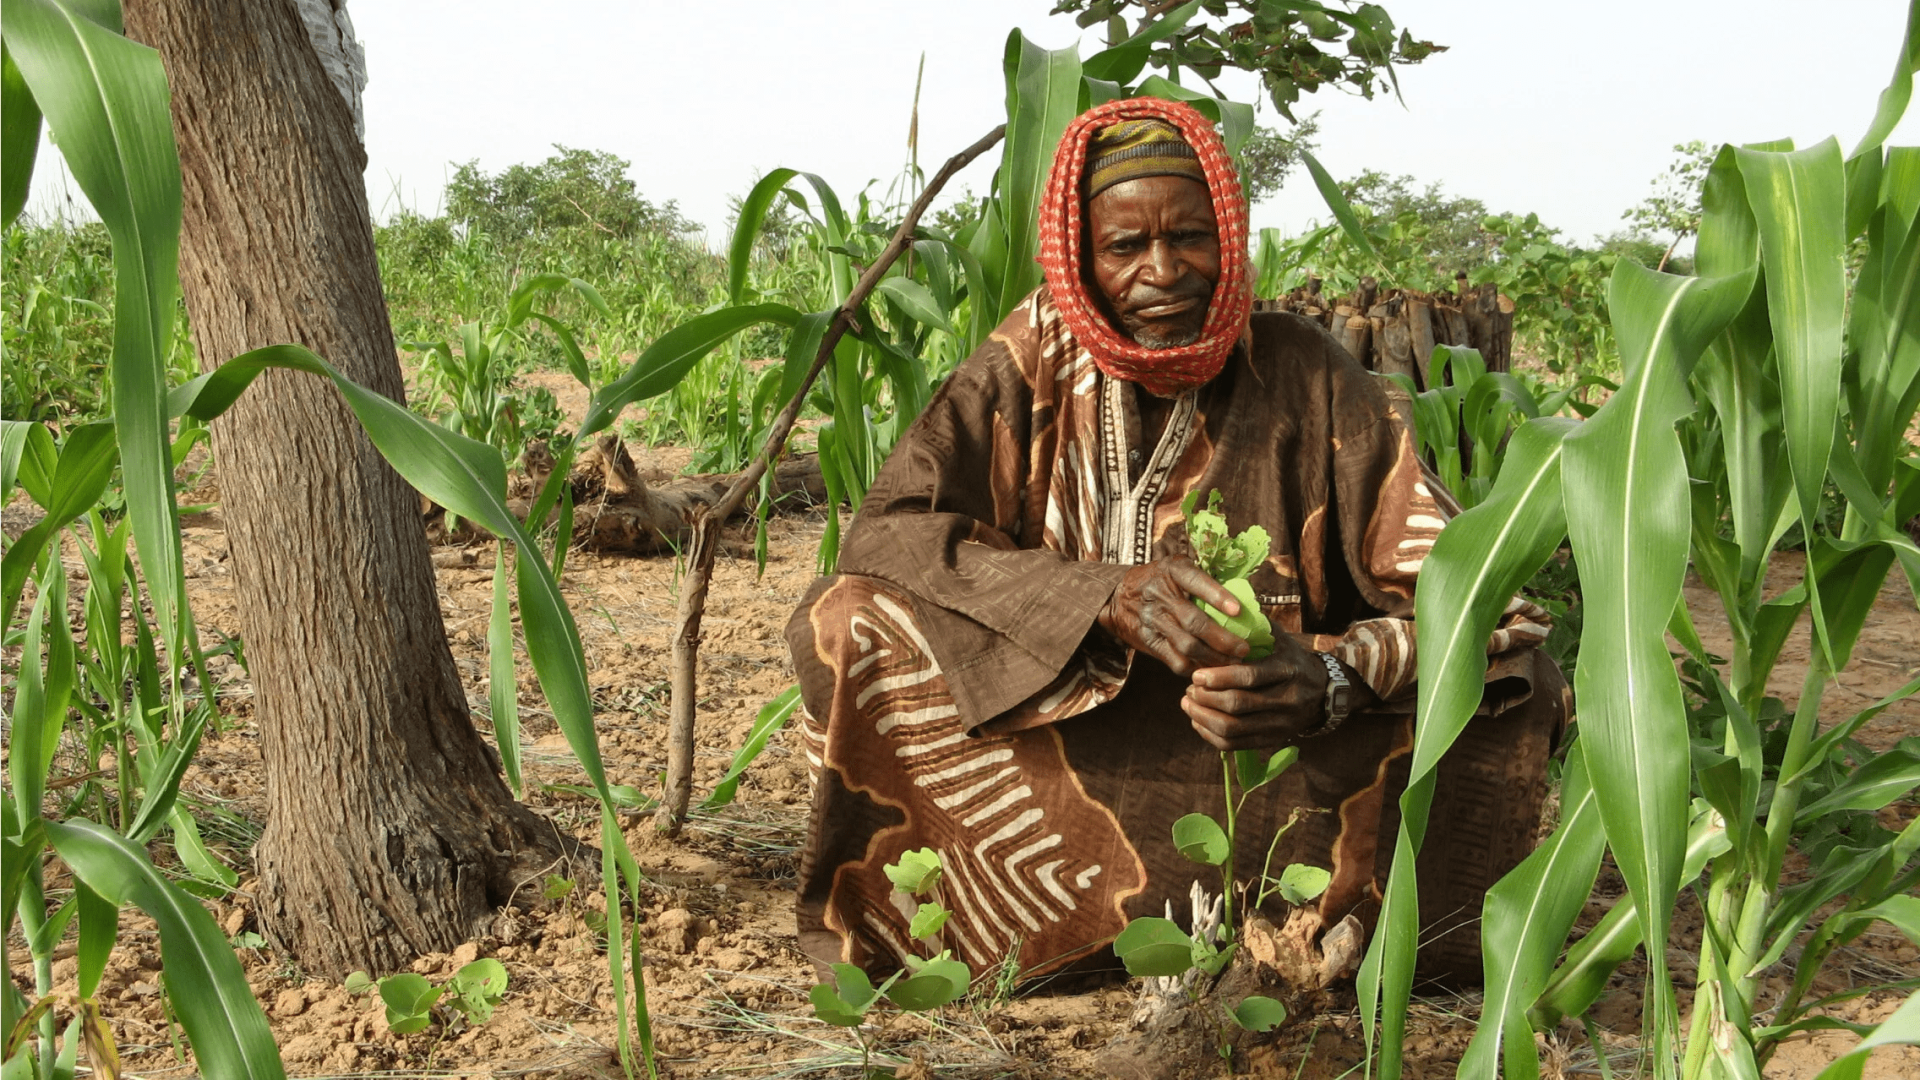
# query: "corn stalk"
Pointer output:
{"type": "Point", "coordinates": [1721, 436]}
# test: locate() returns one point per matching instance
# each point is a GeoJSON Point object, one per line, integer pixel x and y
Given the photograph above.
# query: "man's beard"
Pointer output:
{"type": "Point", "coordinates": [1157, 337]}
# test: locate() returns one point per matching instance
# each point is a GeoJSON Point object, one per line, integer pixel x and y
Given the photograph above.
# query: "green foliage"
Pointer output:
{"type": "Point", "coordinates": [475, 394]}
{"type": "Point", "coordinates": [1224, 557]}
{"type": "Point", "coordinates": [1201, 840]}
{"type": "Point", "coordinates": [773, 716]}
{"type": "Point", "coordinates": [845, 1002]}
{"type": "Point", "coordinates": [1281, 42]}
{"type": "Point", "coordinates": [916, 873]}
{"type": "Point", "coordinates": [924, 984]}
{"type": "Point", "coordinates": [55, 326]}
{"type": "Point", "coordinates": [409, 1000]}
{"type": "Point", "coordinates": [1228, 560]}
{"type": "Point", "coordinates": [1672, 212]}
{"type": "Point", "coordinates": [1439, 235]}
{"type": "Point", "coordinates": [123, 679]}
{"type": "Point", "coordinates": [1559, 294]}
{"type": "Point", "coordinates": [573, 189]}
{"type": "Point", "coordinates": [1152, 947]}
{"type": "Point", "coordinates": [477, 989]}
{"type": "Point", "coordinates": [927, 921]}
{"type": "Point", "coordinates": [472, 993]}
{"type": "Point", "coordinates": [930, 983]}
{"type": "Point", "coordinates": [1256, 1013]}
{"type": "Point", "coordinates": [1269, 157]}
{"type": "Point", "coordinates": [1300, 883]}
{"type": "Point", "coordinates": [1721, 434]}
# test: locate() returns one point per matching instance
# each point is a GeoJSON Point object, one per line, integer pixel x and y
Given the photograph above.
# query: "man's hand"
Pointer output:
{"type": "Point", "coordinates": [1265, 704]}
{"type": "Point", "coordinates": [1153, 611]}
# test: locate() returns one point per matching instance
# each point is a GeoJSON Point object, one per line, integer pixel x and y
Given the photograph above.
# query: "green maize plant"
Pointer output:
{"type": "Point", "coordinates": [1747, 392]}
{"type": "Point", "coordinates": [107, 97]}
{"type": "Point", "coordinates": [1460, 424]}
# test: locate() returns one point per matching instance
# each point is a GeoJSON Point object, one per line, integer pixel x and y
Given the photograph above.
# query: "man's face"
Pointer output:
{"type": "Point", "coordinates": [1156, 257]}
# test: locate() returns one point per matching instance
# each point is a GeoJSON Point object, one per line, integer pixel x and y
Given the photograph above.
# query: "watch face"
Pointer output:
{"type": "Point", "coordinates": [1339, 699]}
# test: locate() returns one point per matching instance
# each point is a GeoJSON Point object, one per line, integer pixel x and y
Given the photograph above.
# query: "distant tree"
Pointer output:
{"type": "Point", "coordinates": [1269, 156]}
{"type": "Point", "coordinates": [1447, 232]}
{"type": "Point", "coordinates": [1278, 40]}
{"type": "Point", "coordinates": [573, 189]}
{"type": "Point", "coordinates": [1673, 210]}
{"type": "Point", "coordinates": [959, 214]}
{"type": "Point", "coordinates": [1646, 250]}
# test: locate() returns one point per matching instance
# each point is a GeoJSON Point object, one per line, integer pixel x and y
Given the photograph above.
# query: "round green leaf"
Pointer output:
{"type": "Point", "coordinates": [927, 921]}
{"type": "Point", "coordinates": [1153, 946]}
{"type": "Point", "coordinates": [1200, 839]}
{"type": "Point", "coordinates": [936, 983]}
{"type": "Point", "coordinates": [1258, 1013]}
{"type": "Point", "coordinates": [829, 1007]}
{"type": "Point", "coordinates": [485, 976]}
{"type": "Point", "coordinates": [1300, 883]}
{"type": "Point", "coordinates": [1162, 960]}
{"type": "Point", "coordinates": [917, 872]}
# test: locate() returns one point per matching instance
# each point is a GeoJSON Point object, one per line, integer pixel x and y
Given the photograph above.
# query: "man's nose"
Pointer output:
{"type": "Point", "coordinates": [1162, 267]}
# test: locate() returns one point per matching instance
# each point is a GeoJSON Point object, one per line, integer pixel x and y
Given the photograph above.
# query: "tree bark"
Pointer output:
{"type": "Point", "coordinates": [389, 832]}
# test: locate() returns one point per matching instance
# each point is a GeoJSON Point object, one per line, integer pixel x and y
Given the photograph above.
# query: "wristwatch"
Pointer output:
{"type": "Point", "coordinates": [1339, 695]}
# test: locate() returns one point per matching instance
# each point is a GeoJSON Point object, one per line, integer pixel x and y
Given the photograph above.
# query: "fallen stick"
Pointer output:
{"type": "Point", "coordinates": [707, 521]}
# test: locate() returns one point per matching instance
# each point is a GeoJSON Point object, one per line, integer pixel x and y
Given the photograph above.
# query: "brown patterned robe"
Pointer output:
{"type": "Point", "coordinates": [959, 696]}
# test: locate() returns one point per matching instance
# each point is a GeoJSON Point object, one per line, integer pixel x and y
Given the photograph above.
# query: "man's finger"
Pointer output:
{"type": "Point", "coordinates": [1193, 652]}
{"type": "Point", "coordinates": [1232, 702]}
{"type": "Point", "coordinates": [1197, 584]}
{"type": "Point", "coordinates": [1232, 676]}
{"type": "Point", "coordinates": [1222, 732]}
{"type": "Point", "coordinates": [1174, 648]}
{"type": "Point", "coordinates": [1212, 725]}
{"type": "Point", "coordinates": [1198, 623]}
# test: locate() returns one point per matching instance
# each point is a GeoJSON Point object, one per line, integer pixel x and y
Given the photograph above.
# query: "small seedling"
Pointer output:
{"type": "Point", "coordinates": [477, 988]}
{"type": "Point", "coordinates": [927, 983]}
{"type": "Point", "coordinates": [473, 992]}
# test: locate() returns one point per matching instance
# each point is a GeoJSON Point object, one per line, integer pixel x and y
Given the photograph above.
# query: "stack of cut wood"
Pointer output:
{"type": "Point", "coordinates": [1394, 331]}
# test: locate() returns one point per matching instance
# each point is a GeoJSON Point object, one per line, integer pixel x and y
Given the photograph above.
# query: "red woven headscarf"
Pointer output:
{"type": "Point", "coordinates": [1165, 372]}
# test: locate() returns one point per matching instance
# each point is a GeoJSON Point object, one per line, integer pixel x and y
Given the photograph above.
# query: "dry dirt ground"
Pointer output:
{"type": "Point", "coordinates": [726, 984]}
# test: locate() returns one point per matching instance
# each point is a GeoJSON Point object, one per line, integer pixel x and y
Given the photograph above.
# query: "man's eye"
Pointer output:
{"type": "Point", "coordinates": [1124, 247]}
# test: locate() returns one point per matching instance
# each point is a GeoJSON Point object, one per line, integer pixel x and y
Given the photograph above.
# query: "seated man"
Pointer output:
{"type": "Point", "coordinates": [1010, 668]}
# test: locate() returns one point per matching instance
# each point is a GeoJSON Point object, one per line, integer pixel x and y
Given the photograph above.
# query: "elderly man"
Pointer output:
{"type": "Point", "coordinates": [1010, 667]}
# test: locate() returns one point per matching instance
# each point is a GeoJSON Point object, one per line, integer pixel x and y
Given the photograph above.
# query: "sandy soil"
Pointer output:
{"type": "Point", "coordinates": [726, 983]}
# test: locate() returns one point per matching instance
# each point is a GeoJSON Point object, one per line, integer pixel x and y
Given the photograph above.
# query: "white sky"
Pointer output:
{"type": "Point", "coordinates": [1563, 107]}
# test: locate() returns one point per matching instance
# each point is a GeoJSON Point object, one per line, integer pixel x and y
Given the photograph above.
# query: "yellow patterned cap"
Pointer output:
{"type": "Point", "coordinates": [1132, 149]}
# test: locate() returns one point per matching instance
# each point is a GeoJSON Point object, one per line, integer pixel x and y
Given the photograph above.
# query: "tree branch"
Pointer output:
{"type": "Point", "coordinates": [706, 526]}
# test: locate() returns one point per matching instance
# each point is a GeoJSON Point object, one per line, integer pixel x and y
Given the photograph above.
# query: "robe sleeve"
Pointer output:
{"type": "Point", "coordinates": [940, 522]}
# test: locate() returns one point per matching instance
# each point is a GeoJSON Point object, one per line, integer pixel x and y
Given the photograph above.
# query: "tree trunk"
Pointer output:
{"type": "Point", "coordinates": [389, 832]}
